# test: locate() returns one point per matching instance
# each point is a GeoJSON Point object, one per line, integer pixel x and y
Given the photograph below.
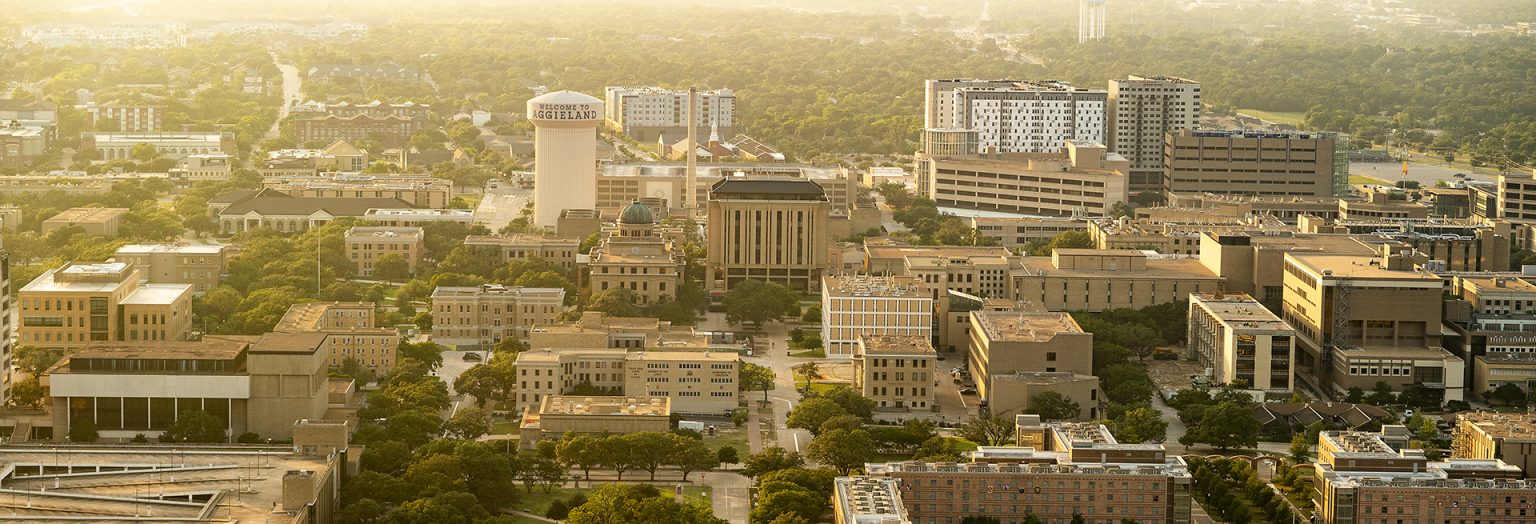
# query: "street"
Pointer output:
{"type": "Point", "coordinates": [502, 205]}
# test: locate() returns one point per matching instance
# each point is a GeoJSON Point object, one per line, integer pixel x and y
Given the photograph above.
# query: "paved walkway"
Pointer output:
{"type": "Point", "coordinates": [754, 431]}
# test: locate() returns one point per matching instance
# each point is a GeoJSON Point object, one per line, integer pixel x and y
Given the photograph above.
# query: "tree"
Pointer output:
{"type": "Point", "coordinates": [1381, 394]}
{"type": "Point", "coordinates": [35, 361]}
{"type": "Point", "coordinates": [808, 371]}
{"type": "Point", "coordinates": [388, 456]}
{"type": "Point", "coordinates": [990, 430]}
{"type": "Point", "coordinates": [727, 455]}
{"type": "Point", "coordinates": [392, 267]}
{"type": "Point", "coordinates": [27, 392]}
{"type": "Point", "coordinates": [414, 426]}
{"type": "Point", "coordinates": [144, 152]}
{"type": "Point", "coordinates": [691, 454]}
{"type": "Point", "coordinates": [1508, 394]}
{"type": "Point", "coordinates": [613, 503]}
{"type": "Point", "coordinates": [83, 430]}
{"type": "Point", "coordinates": [427, 353]}
{"type": "Point", "coordinates": [851, 401]}
{"type": "Point", "coordinates": [468, 423]}
{"type": "Point", "coordinates": [581, 451]}
{"type": "Point", "coordinates": [812, 413]}
{"type": "Point", "coordinates": [196, 426]}
{"type": "Point", "coordinates": [1139, 425]}
{"type": "Point", "coordinates": [1300, 449]}
{"type": "Point", "coordinates": [787, 501]}
{"type": "Point", "coordinates": [757, 302]}
{"type": "Point", "coordinates": [649, 450]}
{"type": "Point", "coordinates": [1227, 425]}
{"type": "Point", "coordinates": [812, 315]}
{"type": "Point", "coordinates": [842, 449]}
{"type": "Point", "coordinates": [616, 302]}
{"type": "Point", "coordinates": [771, 460]}
{"type": "Point", "coordinates": [617, 454]}
{"type": "Point", "coordinates": [753, 377]}
{"type": "Point", "coordinates": [1052, 405]}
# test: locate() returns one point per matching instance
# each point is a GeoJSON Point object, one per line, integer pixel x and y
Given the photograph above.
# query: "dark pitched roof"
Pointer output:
{"type": "Point", "coordinates": [284, 204]}
{"type": "Point", "coordinates": [763, 188]}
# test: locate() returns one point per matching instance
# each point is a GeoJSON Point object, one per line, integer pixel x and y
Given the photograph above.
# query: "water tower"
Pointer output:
{"type": "Point", "coordinates": [565, 154]}
{"type": "Point", "coordinates": [1090, 20]}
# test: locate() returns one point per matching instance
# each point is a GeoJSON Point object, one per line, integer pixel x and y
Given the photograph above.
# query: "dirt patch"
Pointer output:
{"type": "Point", "coordinates": [1174, 375]}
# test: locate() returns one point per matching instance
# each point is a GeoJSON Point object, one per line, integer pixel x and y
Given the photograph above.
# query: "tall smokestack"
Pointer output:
{"type": "Point", "coordinates": [690, 188]}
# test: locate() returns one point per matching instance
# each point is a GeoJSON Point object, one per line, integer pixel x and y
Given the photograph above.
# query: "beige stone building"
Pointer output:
{"type": "Point", "coordinates": [76, 304]}
{"type": "Point", "coordinates": [1015, 355]}
{"type": "Point", "coordinates": [200, 266]}
{"type": "Point", "coordinates": [482, 316]}
{"type": "Point", "coordinates": [366, 245]}
{"type": "Point", "coordinates": [637, 258]}
{"type": "Point", "coordinates": [197, 168]}
{"type": "Point", "coordinates": [354, 334]}
{"type": "Point", "coordinates": [558, 250]}
{"type": "Point", "coordinates": [661, 185]}
{"type": "Point", "coordinates": [261, 384]}
{"type": "Point", "coordinates": [1017, 232]}
{"type": "Point", "coordinates": [772, 229]}
{"type": "Point", "coordinates": [1493, 324]}
{"type": "Point", "coordinates": [1083, 179]}
{"type": "Point", "coordinates": [1296, 164]}
{"type": "Point", "coordinates": [1069, 469]}
{"type": "Point", "coordinates": [555, 416]}
{"type": "Point", "coordinates": [696, 381]}
{"type": "Point", "coordinates": [1096, 280]}
{"type": "Point", "coordinates": [96, 221]}
{"type": "Point", "coordinates": [1142, 109]}
{"type": "Point", "coordinates": [1235, 336]}
{"type": "Point", "coordinates": [899, 373]}
{"type": "Point", "coordinates": [1360, 320]}
{"type": "Point", "coordinates": [1255, 264]}
{"type": "Point", "coordinates": [855, 306]}
{"type": "Point", "coordinates": [1178, 235]}
{"type": "Point", "coordinates": [1358, 478]}
{"type": "Point", "coordinates": [1486, 435]}
{"type": "Point", "coordinates": [419, 191]}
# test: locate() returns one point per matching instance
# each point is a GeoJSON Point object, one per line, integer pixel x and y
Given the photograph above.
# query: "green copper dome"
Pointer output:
{"type": "Point", "coordinates": [637, 214]}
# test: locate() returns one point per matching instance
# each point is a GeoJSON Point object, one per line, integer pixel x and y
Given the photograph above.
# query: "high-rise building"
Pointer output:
{"type": "Point", "coordinates": [1084, 179]}
{"type": "Point", "coordinates": [1142, 109]}
{"type": "Point", "coordinates": [1090, 20]}
{"type": "Point", "coordinates": [1240, 340]}
{"type": "Point", "coordinates": [1026, 117]}
{"type": "Point", "coordinates": [649, 113]}
{"type": "Point", "coordinates": [857, 305]}
{"type": "Point", "coordinates": [767, 228]}
{"type": "Point", "coordinates": [565, 142]}
{"type": "Point", "coordinates": [1288, 164]}
{"type": "Point", "coordinates": [5, 326]}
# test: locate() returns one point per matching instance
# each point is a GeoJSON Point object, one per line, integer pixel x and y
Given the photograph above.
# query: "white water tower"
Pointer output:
{"type": "Point", "coordinates": [565, 154]}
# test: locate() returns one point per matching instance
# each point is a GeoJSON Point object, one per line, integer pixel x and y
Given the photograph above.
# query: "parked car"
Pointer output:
{"type": "Point", "coordinates": [473, 357]}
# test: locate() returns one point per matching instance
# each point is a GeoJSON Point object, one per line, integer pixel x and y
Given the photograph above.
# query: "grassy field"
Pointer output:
{"type": "Point", "coordinates": [1275, 117]}
{"type": "Point", "coordinates": [1362, 179]}
{"type": "Point", "coordinates": [813, 353]}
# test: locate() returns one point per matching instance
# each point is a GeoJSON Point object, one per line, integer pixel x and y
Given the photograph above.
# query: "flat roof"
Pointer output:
{"type": "Point", "coordinates": [1238, 310]}
{"type": "Point", "coordinates": [606, 405]}
{"type": "Point", "coordinates": [157, 294]}
{"type": "Point", "coordinates": [723, 356]}
{"type": "Point", "coordinates": [207, 349]}
{"type": "Point", "coordinates": [1021, 326]}
{"type": "Point", "coordinates": [88, 214]}
{"type": "Point", "coordinates": [1493, 284]}
{"type": "Point", "coordinates": [1157, 267]}
{"type": "Point", "coordinates": [1356, 266]}
{"type": "Point", "coordinates": [875, 286]}
{"type": "Point", "coordinates": [185, 249]}
{"type": "Point", "coordinates": [410, 212]}
{"type": "Point", "coordinates": [384, 232]}
{"type": "Point", "coordinates": [47, 283]}
{"type": "Point", "coordinates": [1509, 426]}
{"type": "Point", "coordinates": [895, 345]}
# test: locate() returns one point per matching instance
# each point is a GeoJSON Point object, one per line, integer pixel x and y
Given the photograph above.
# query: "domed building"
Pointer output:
{"type": "Point", "coordinates": [635, 257]}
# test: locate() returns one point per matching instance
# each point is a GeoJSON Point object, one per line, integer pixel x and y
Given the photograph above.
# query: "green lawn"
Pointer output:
{"type": "Point", "coordinates": [814, 353]}
{"type": "Point", "coordinates": [504, 427]}
{"type": "Point", "coordinates": [1290, 118]}
{"type": "Point", "coordinates": [538, 501]}
{"type": "Point", "coordinates": [1362, 179]}
{"type": "Point", "coordinates": [693, 493]}
{"type": "Point", "coordinates": [730, 435]}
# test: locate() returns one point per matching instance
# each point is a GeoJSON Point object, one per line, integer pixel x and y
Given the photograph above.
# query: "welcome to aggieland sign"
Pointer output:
{"type": "Point", "coordinates": [565, 112]}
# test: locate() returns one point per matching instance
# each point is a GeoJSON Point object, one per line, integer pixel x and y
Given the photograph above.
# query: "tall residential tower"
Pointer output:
{"type": "Point", "coordinates": [1141, 110]}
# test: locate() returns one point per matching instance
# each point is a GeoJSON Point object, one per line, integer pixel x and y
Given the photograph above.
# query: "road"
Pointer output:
{"type": "Point", "coordinates": [293, 93]}
{"type": "Point", "coordinates": [776, 357]}
{"type": "Point", "coordinates": [502, 205]}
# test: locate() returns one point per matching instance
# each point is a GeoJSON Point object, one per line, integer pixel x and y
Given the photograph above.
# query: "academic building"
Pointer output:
{"type": "Point", "coordinates": [1293, 164]}
{"type": "Point", "coordinates": [483, 316]}
{"type": "Point", "coordinates": [73, 305]}
{"type": "Point", "coordinates": [1084, 178]}
{"type": "Point", "coordinates": [636, 257]}
{"type": "Point", "coordinates": [697, 381]}
{"type": "Point", "coordinates": [1242, 341]}
{"type": "Point", "coordinates": [772, 229]}
{"type": "Point", "coordinates": [354, 334]}
{"type": "Point", "coordinates": [855, 306]}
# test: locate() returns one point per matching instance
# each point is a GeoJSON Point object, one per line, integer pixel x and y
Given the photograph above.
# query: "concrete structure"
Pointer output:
{"type": "Point", "coordinates": [649, 113]}
{"type": "Point", "coordinates": [202, 167]}
{"type": "Point", "coordinates": [353, 333]}
{"type": "Point", "coordinates": [1484, 435]}
{"type": "Point", "coordinates": [697, 380]}
{"type": "Point", "coordinates": [482, 316]}
{"type": "Point", "coordinates": [259, 384]}
{"type": "Point", "coordinates": [1359, 478]}
{"type": "Point", "coordinates": [638, 258]}
{"type": "Point", "coordinates": [95, 221]}
{"type": "Point", "coordinates": [1142, 109]}
{"type": "Point", "coordinates": [119, 146]}
{"type": "Point", "coordinates": [409, 217]}
{"type": "Point", "coordinates": [1360, 320]}
{"type": "Point", "coordinates": [5, 327]}
{"type": "Point", "coordinates": [1292, 164]}
{"type": "Point", "coordinates": [366, 245]}
{"type": "Point", "coordinates": [200, 266]}
{"type": "Point", "coordinates": [767, 228]}
{"type": "Point", "coordinates": [1004, 115]}
{"type": "Point", "coordinates": [1176, 235]}
{"type": "Point", "coordinates": [71, 183]}
{"type": "Point", "coordinates": [579, 223]}
{"type": "Point", "coordinates": [1493, 325]}
{"type": "Point", "coordinates": [1082, 180]}
{"type": "Point", "coordinates": [1071, 469]}
{"type": "Point", "coordinates": [1461, 245]}
{"type": "Point", "coordinates": [555, 416]}
{"type": "Point", "coordinates": [899, 373]}
{"type": "Point", "coordinates": [663, 186]}
{"type": "Point", "coordinates": [1090, 20]}
{"type": "Point", "coordinates": [565, 142]}
{"type": "Point", "coordinates": [856, 306]}
{"type": "Point", "coordinates": [1254, 263]}
{"type": "Point", "coordinates": [557, 250]}
{"type": "Point", "coordinates": [340, 156]}
{"type": "Point", "coordinates": [1014, 356]}
{"type": "Point", "coordinates": [1239, 340]}
{"type": "Point", "coordinates": [107, 484]}
{"type": "Point", "coordinates": [70, 306]}
{"type": "Point", "coordinates": [126, 118]}
{"type": "Point", "coordinates": [1095, 280]}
